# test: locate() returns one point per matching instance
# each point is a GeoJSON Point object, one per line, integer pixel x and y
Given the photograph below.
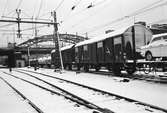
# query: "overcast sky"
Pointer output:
{"type": "Point", "coordinates": [102, 16]}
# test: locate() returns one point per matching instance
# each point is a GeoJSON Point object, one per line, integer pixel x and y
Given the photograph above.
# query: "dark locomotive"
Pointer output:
{"type": "Point", "coordinates": [118, 50]}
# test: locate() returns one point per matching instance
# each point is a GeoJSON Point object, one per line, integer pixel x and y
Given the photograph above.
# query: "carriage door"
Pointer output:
{"type": "Point", "coordinates": [118, 49]}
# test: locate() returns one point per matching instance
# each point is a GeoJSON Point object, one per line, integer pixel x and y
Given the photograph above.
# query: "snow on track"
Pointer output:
{"type": "Point", "coordinates": [105, 101]}
{"type": "Point", "coordinates": [11, 102]}
{"type": "Point", "coordinates": [46, 101]}
{"type": "Point", "coordinates": [151, 93]}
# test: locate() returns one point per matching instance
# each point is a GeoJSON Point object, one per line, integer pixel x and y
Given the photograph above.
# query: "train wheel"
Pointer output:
{"type": "Point", "coordinates": [97, 68]}
{"type": "Point", "coordinates": [109, 68]}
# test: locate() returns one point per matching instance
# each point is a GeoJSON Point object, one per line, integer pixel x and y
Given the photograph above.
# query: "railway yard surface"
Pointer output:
{"type": "Point", "coordinates": [25, 92]}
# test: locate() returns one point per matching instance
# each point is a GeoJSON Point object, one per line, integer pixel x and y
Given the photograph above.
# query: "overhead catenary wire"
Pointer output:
{"type": "Point", "coordinates": [59, 5]}
{"type": "Point", "coordinates": [5, 8]}
{"type": "Point", "coordinates": [91, 5]}
{"type": "Point", "coordinates": [74, 6]}
{"type": "Point", "coordinates": [142, 10]}
{"type": "Point", "coordinates": [34, 27]}
{"type": "Point", "coordinates": [87, 18]}
{"type": "Point", "coordinates": [148, 8]}
{"type": "Point", "coordinates": [40, 7]}
{"type": "Point", "coordinates": [2, 30]}
{"type": "Point", "coordinates": [26, 14]}
{"type": "Point", "coordinates": [159, 21]}
{"type": "Point", "coordinates": [19, 4]}
{"type": "Point", "coordinates": [7, 25]}
{"type": "Point", "coordinates": [13, 11]}
{"type": "Point", "coordinates": [46, 13]}
{"type": "Point", "coordinates": [70, 11]}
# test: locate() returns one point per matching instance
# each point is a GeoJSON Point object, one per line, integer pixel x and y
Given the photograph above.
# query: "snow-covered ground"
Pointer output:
{"type": "Point", "coordinates": [104, 101]}
{"type": "Point", "coordinates": [47, 102]}
{"type": "Point", "coordinates": [148, 92]}
{"type": "Point", "coordinates": [11, 102]}
{"type": "Point", "coordinates": [151, 93]}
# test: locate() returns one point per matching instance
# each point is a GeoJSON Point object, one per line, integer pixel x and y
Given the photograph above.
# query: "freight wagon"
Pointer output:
{"type": "Point", "coordinates": [118, 50]}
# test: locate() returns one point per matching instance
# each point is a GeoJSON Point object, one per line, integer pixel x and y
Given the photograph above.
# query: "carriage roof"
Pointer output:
{"type": "Point", "coordinates": [103, 37]}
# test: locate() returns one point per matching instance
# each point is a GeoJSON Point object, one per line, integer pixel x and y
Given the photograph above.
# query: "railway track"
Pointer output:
{"type": "Point", "coordinates": [61, 92]}
{"type": "Point", "coordinates": [23, 96]}
{"type": "Point", "coordinates": [152, 77]}
{"type": "Point", "coordinates": [140, 75]}
{"type": "Point", "coordinates": [106, 99]}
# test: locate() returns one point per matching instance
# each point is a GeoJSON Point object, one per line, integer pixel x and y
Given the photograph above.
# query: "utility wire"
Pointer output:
{"type": "Point", "coordinates": [59, 5]}
{"type": "Point", "coordinates": [145, 9]}
{"type": "Point", "coordinates": [40, 7]}
{"type": "Point", "coordinates": [148, 8]}
{"type": "Point", "coordinates": [71, 10]}
{"type": "Point", "coordinates": [87, 18]}
{"type": "Point", "coordinates": [34, 27]}
{"type": "Point", "coordinates": [2, 30]}
{"type": "Point", "coordinates": [74, 6]}
{"type": "Point", "coordinates": [159, 21]}
{"type": "Point", "coordinates": [26, 14]}
{"type": "Point", "coordinates": [5, 7]}
{"type": "Point", "coordinates": [19, 4]}
{"type": "Point", "coordinates": [34, 9]}
{"type": "Point", "coordinates": [7, 25]}
{"type": "Point", "coordinates": [91, 5]}
{"type": "Point", "coordinates": [46, 13]}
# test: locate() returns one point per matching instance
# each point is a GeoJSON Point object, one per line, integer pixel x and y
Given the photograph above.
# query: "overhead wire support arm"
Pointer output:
{"type": "Point", "coordinates": [35, 22]}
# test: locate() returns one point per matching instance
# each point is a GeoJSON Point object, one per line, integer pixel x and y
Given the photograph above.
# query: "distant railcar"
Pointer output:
{"type": "Point", "coordinates": [68, 56]}
{"type": "Point", "coordinates": [116, 51]}
{"type": "Point", "coordinates": [45, 61]}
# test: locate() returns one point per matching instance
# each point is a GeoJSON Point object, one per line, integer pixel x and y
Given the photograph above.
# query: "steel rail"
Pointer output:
{"type": "Point", "coordinates": [75, 98]}
{"type": "Point", "coordinates": [24, 97]}
{"type": "Point", "coordinates": [109, 93]}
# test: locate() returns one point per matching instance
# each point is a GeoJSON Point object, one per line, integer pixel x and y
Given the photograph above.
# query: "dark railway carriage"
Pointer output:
{"type": "Point", "coordinates": [68, 56]}
{"type": "Point", "coordinates": [86, 54]}
{"type": "Point", "coordinates": [117, 50]}
{"type": "Point", "coordinates": [109, 52]}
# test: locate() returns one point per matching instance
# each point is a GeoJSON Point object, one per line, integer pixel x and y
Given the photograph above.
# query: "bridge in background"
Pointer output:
{"type": "Point", "coordinates": [44, 44]}
{"type": "Point", "coordinates": [37, 47]}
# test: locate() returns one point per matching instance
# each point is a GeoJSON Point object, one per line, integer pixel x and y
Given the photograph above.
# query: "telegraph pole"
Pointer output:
{"type": "Point", "coordinates": [18, 11]}
{"type": "Point", "coordinates": [36, 61]}
{"type": "Point", "coordinates": [58, 57]}
{"type": "Point", "coordinates": [19, 21]}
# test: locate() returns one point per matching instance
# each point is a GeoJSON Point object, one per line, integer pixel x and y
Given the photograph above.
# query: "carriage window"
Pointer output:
{"type": "Point", "coordinates": [76, 49]}
{"type": "Point", "coordinates": [99, 44]}
{"type": "Point", "coordinates": [85, 48]}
